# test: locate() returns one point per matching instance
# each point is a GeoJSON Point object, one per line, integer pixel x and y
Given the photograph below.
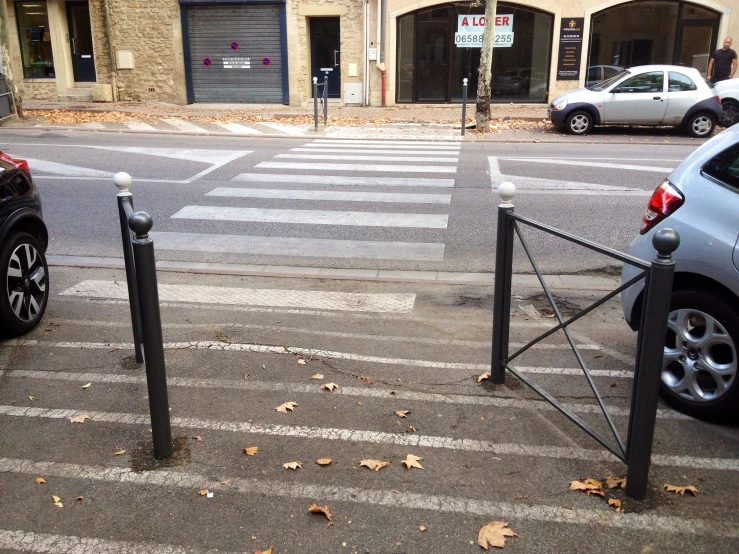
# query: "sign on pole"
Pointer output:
{"type": "Point", "coordinates": [470, 30]}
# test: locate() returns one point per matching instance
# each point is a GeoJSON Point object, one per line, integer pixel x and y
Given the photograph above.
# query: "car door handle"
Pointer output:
{"type": "Point", "coordinates": [656, 98]}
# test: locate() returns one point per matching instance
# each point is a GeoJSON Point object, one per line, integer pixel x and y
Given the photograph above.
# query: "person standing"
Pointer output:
{"type": "Point", "coordinates": [723, 62]}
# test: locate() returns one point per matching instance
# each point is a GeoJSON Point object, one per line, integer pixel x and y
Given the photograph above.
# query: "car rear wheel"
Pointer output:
{"type": "Point", "coordinates": [699, 368]}
{"type": "Point", "coordinates": [701, 125]}
{"type": "Point", "coordinates": [729, 113]}
{"type": "Point", "coordinates": [25, 284]}
{"type": "Point", "coordinates": [579, 123]}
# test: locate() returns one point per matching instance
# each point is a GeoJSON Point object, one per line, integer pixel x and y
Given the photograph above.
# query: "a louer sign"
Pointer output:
{"type": "Point", "coordinates": [471, 27]}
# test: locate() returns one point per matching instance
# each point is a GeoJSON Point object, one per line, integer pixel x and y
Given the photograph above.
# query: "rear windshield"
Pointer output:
{"type": "Point", "coordinates": [725, 167]}
{"type": "Point", "coordinates": [603, 85]}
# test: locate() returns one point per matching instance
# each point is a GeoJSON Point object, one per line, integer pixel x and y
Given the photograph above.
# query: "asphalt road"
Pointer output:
{"type": "Point", "coordinates": [265, 212]}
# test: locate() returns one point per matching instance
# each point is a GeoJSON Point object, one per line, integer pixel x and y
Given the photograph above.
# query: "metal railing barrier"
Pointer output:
{"type": "Point", "coordinates": [323, 99]}
{"type": "Point", "coordinates": [636, 451]}
{"type": "Point", "coordinates": [143, 296]}
{"type": "Point", "coordinates": [464, 104]}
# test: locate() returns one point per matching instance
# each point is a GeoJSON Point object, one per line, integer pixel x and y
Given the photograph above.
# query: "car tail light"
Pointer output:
{"type": "Point", "coordinates": [718, 98]}
{"type": "Point", "coordinates": [20, 164]}
{"type": "Point", "coordinates": [664, 201]}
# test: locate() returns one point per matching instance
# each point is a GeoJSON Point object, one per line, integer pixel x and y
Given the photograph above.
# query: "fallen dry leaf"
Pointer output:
{"type": "Point", "coordinates": [375, 465]}
{"type": "Point", "coordinates": [80, 498]}
{"type": "Point", "coordinates": [198, 438]}
{"type": "Point", "coordinates": [615, 504]}
{"type": "Point", "coordinates": [292, 465]}
{"type": "Point", "coordinates": [324, 461]}
{"type": "Point", "coordinates": [87, 386]}
{"type": "Point", "coordinates": [251, 450]}
{"type": "Point", "coordinates": [58, 504]}
{"type": "Point", "coordinates": [40, 480]}
{"type": "Point", "coordinates": [494, 534]}
{"type": "Point", "coordinates": [485, 375]}
{"type": "Point", "coordinates": [317, 376]}
{"type": "Point", "coordinates": [301, 361]}
{"type": "Point", "coordinates": [329, 387]}
{"type": "Point", "coordinates": [366, 380]}
{"type": "Point", "coordinates": [412, 429]}
{"type": "Point", "coordinates": [412, 461]}
{"type": "Point", "coordinates": [286, 406]}
{"type": "Point", "coordinates": [226, 482]}
{"type": "Point", "coordinates": [119, 453]}
{"type": "Point", "coordinates": [316, 509]}
{"type": "Point", "coordinates": [401, 413]}
{"type": "Point", "coordinates": [203, 492]}
{"type": "Point", "coordinates": [421, 528]}
{"type": "Point", "coordinates": [588, 486]}
{"type": "Point", "coordinates": [681, 490]}
{"type": "Point", "coordinates": [268, 551]}
{"type": "Point", "coordinates": [394, 392]}
{"type": "Point", "coordinates": [616, 482]}
{"type": "Point", "coordinates": [32, 398]}
{"type": "Point", "coordinates": [79, 419]}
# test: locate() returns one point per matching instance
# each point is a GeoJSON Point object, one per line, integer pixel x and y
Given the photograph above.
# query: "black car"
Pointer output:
{"type": "Point", "coordinates": [24, 276]}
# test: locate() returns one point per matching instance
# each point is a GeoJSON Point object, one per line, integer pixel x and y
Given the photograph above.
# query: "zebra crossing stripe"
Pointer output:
{"type": "Point", "coordinates": [345, 150]}
{"type": "Point", "coordinates": [337, 196]}
{"type": "Point", "coordinates": [440, 144]}
{"type": "Point", "coordinates": [329, 180]}
{"type": "Point", "coordinates": [183, 125]}
{"type": "Point", "coordinates": [285, 128]}
{"type": "Point", "coordinates": [239, 129]}
{"type": "Point", "coordinates": [314, 217]}
{"type": "Point", "coordinates": [138, 126]}
{"type": "Point", "coordinates": [362, 158]}
{"type": "Point", "coordinates": [358, 167]}
{"type": "Point", "coordinates": [300, 247]}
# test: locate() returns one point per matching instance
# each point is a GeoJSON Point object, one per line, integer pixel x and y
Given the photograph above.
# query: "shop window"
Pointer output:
{"type": "Point", "coordinates": [35, 39]}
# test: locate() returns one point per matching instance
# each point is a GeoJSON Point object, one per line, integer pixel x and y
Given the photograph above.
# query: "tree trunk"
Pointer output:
{"type": "Point", "coordinates": [5, 57]}
{"type": "Point", "coordinates": [482, 111]}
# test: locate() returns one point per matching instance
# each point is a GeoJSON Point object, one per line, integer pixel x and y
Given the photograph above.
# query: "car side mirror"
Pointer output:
{"type": "Point", "coordinates": [617, 89]}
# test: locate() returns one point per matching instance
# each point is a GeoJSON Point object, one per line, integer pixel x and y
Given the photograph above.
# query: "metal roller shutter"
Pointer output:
{"type": "Point", "coordinates": [251, 72]}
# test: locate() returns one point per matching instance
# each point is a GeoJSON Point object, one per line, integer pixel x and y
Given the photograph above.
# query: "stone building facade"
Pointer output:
{"type": "Point", "coordinates": [171, 51]}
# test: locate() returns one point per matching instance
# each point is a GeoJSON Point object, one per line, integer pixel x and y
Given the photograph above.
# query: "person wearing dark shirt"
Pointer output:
{"type": "Point", "coordinates": [723, 62]}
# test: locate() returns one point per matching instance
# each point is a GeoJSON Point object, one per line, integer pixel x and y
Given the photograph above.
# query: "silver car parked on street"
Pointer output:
{"type": "Point", "coordinates": [700, 200]}
{"type": "Point", "coordinates": [645, 95]}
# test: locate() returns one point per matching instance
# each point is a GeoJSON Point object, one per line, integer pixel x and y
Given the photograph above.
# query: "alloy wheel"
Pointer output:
{"type": "Point", "coordinates": [26, 282]}
{"type": "Point", "coordinates": [700, 361]}
{"type": "Point", "coordinates": [730, 114]}
{"type": "Point", "coordinates": [702, 125]}
{"type": "Point", "coordinates": [579, 123]}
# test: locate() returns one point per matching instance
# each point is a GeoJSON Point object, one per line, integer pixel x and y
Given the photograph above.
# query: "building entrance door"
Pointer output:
{"type": "Point", "coordinates": [325, 51]}
{"type": "Point", "coordinates": [80, 41]}
{"type": "Point", "coordinates": [696, 39]}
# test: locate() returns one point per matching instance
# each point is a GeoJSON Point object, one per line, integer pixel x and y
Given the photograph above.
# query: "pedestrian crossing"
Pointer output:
{"type": "Point", "coordinates": [290, 180]}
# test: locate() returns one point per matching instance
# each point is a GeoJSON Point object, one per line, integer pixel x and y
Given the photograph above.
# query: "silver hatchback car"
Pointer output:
{"type": "Point", "coordinates": [645, 95]}
{"type": "Point", "coordinates": [700, 200]}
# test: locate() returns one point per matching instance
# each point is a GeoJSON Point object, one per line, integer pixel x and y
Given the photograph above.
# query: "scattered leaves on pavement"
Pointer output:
{"type": "Point", "coordinates": [616, 482]}
{"type": "Point", "coordinates": [412, 461]}
{"type": "Point", "coordinates": [286, 406]}
{"type": "Point", "coordinates": [615, 504]}
{"type": "Point", "coordinates": [681, 490]}
{"type": "Point", "coordinates": [119, 453]}
{"type": "Point", "coordinates": [401, 413]}
{"type": "Point", "coordinates": [317, 376]}
{"type": "Point", "coordinates": [588, 486]}
{"type": "Point", "coordinates": [87, 386]}
{"type": "Point", "coordinates": [324, 461]}
{"type": "Point", "coordinates": [375, 465]}
{"type": "Point", "coordinates": [79, 419]}
{"type": "Point", "coordinates": [251, 450]}
{"type": "Point", "coordinates": [316, 509]}
{"type": "Point", "coordinates": [494, 534]}
{"type": "Point", "coordinates": [484, 376]}
{"type": "Point", "coordinates": [329, 387]}
{"type": "Point", "coordinates": [40, 480]}
{"type": "Point", "coordinates": [292, 465]}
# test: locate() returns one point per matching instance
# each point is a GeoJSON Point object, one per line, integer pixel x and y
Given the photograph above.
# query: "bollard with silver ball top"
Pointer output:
{"type": "Point", "coordinates": [464, 104]}
{"type": "Point", "coordinates": [315, 104]}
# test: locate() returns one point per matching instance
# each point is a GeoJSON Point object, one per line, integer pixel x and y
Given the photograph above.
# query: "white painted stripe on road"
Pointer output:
{"type": "Point", "coordinates": [139, 126]}
{"type": "Point", "coordinates": [372, 437]}
{"type": "Point", "coordinates": [358, 167]}
{"type": "Point", "coordinates": [301, 247]}
{"type": "Point", "coordinates": [215, 157]}
{"type": "Point", "coordinates": [183, 125]}
{"type": "Point", "coordinates": [580, 163]}
{"type": "Point", "coordinates": [341, 301]}
{"type": "Point", "coordinates": [362, 392]}
{"type": "Point", "coordinates": [48, 543]}
{"type": "Point", "coordinates": [314, 217]}
{"type": "Point", "coordinates": [410, 143]}
{"type": "Point", "coordinates": [638, 193]}
{"type": "Point", "coordinates": [364, 150]}
{"type": "Point", "coordinates": [335, 196]}
{"type": "Point", "coordinates": [94, 126]}
{"type": "Point", "coordinates": [44, 166]}
{"type": "Point", "coordinates": [284, 128]}
{"type": "Point", "coordinates": [331, 180]}
{"type": "Point", "coordinates": [361, 158]}
{"type": "Point", "coordinates": [644, 522]}
{"type": "Point", "coordinates": [316, 353]}
{"type": "Point", "coordinates": [239, 129]}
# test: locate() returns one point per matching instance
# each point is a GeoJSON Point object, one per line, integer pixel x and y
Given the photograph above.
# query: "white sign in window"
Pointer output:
{"type": "Point", "coordinates": [470, 29]}
{"type": "Point", "coordinates": [236, 63]}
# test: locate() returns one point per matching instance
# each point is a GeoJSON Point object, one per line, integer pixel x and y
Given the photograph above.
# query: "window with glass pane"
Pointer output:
{"type": "Point", "coordinates": [646, 82]}
{"type": "Point", "coordinates": [679, 82]}
{"type": "Point", "coordinates": [406, 38]}
{"type": "Point", "coordinates": [35, 38]}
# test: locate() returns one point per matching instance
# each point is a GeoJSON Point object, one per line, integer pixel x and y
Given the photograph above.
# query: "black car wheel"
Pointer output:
{"type": "Point", "coordinates": [579, 123]}
{"type": "Point", "coordinates": [730, 113]}
{"type": "Point", "coordinates": [699, 368]}
{"type": "Point", "coordinates": [701, 125]}
{"type": "Point", "coordinates": [25, 284]}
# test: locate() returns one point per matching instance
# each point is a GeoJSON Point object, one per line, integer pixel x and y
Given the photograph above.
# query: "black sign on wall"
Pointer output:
{"type": "Point", "coordinates": [570, 48]}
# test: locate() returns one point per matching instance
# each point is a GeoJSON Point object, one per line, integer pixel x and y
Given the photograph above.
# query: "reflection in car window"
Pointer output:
{"type": "Point", "coordinates": [603, 85]}
{"type": "Point", "coordinates": [594, 73]}
{"type": "Point", "coordinates": [679, 82]}
{"type": "Point", "coordinates": [725, 167]}
{"type": "Point", "coordinates": [609, 72]}
{"type": "Point", "coordinates": [645, 82]}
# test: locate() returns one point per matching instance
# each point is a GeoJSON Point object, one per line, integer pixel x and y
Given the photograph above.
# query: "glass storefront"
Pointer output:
{"type": "Point", "coordinates": [35, 38]}
{"type": "Point", "coordinates": [431, 66]}
{"type": "Point", "coordinates": [652, 32]}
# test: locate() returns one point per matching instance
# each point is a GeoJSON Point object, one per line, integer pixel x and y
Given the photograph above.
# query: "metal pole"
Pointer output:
{"type": "Point", "coordinates": [464, 104]}
{"type": "Point", "coordinates": [647, 373]}
{"type": "Point", "coordinates": [325, 100]}
{"type": "Point", "coordinates": [315, 104]}
{"type": "Point", "coordinates": [503, 276]}
{"type": "Point", "coordinates": [156, 377]}
{"type": "Point", "coordinates": [125, 198]}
